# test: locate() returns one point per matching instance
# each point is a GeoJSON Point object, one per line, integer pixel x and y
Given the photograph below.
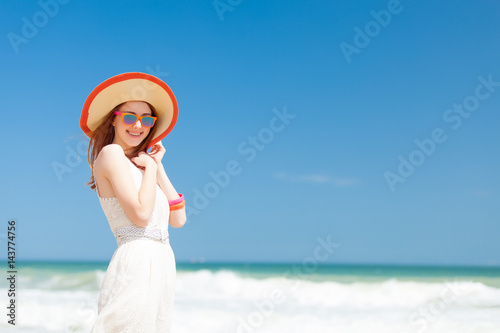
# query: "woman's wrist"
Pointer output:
{"type": "Point", "coordinates": [160, 170]}
{"type": "Point", "coordinates": [151, 165]}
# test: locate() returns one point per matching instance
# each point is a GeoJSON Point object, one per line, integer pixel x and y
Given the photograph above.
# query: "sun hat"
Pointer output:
{"type": "Point", "coordinates": [132, 86]}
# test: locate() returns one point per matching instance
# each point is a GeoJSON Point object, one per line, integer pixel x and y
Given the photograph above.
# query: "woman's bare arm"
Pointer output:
{"type": "Point", "coordinates": [177, 217]}
{"type": "Point", "coordinates": [138, 205]}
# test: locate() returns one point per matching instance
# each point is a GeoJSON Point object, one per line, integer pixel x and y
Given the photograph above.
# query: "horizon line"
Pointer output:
{"type": "Point", "coordinates": [221, 262]}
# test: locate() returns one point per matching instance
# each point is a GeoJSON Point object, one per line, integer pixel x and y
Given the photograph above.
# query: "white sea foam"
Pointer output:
{"type": "Point", "coordinates": [224, 301]}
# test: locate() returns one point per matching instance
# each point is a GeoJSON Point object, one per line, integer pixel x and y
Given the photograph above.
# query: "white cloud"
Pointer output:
{"type": "Point", "coordinates": [481, 193]}
{"type": "Point", "coordinates": [319, 179]}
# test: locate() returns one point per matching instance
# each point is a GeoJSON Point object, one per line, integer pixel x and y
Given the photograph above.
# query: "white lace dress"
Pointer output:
{"type": "Point", "coordinates": [137, 293]}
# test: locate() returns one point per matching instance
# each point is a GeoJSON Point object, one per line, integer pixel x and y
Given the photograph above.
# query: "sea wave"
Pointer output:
{"type": "Point", "coordinates": [225, 301]}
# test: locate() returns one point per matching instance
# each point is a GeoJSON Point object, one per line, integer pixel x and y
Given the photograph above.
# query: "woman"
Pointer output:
{"type": "Point", "coordinates": [125, 116]}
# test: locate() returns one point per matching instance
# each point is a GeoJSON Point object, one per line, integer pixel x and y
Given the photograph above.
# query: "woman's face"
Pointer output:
{"type": "Point", "coordinates": [129, 136]}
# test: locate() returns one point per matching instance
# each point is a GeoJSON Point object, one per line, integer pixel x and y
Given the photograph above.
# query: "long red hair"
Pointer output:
{"type": "Point", "coordinates": [104, 135]}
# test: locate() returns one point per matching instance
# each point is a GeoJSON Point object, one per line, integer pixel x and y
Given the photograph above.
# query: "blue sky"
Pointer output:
{"type": "Point", "coordinates": [321, 173]}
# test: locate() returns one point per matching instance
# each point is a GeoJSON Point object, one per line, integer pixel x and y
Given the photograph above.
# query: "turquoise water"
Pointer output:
{"type": "Point", "coordinates": [335, 272]}
{"type": "Point", "coordinates": [238, 297]}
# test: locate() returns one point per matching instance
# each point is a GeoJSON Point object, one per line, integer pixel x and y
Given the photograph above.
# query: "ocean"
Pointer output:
{"type": "Point", "coordinates": [258, 298]}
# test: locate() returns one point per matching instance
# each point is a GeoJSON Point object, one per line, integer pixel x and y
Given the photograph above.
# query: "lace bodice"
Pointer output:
{"type": "Point", "coordinates": [118, 218]}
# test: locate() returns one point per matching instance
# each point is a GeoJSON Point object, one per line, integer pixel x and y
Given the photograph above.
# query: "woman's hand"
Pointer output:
{"type": "Point", "coordinates": [157, 152]}
{"type": "Point", "coordinates": [144, 160]}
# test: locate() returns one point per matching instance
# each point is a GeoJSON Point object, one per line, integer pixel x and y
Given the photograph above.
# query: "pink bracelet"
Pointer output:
{"type": "Point", "coordinates": [176, 201]}
{"type": "Point", "coordinates": [178, 206]}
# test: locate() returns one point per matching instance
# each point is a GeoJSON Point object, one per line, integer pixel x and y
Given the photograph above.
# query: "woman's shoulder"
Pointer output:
{"type": "Point", "coordinates": [112, 150]}
{"type": "Point", "coordinates": [110, 155]}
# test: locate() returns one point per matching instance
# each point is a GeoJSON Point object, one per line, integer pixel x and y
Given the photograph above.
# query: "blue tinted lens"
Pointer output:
{"type": "Point", "coordinates": [148, 121]}
{"type": "Point", "coordinates": [129, 119]}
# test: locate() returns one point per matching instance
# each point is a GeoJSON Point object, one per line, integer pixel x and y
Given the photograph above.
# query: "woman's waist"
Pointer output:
{"type": "Point", "coordinates": [127, 233]}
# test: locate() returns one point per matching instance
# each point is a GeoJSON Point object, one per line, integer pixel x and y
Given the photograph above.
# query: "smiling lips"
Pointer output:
{"type": "Point", "coordinates": [135, 135]}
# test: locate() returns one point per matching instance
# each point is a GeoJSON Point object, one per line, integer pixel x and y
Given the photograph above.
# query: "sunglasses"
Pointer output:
{"type": "Point", "coordinates": [130, 119]}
